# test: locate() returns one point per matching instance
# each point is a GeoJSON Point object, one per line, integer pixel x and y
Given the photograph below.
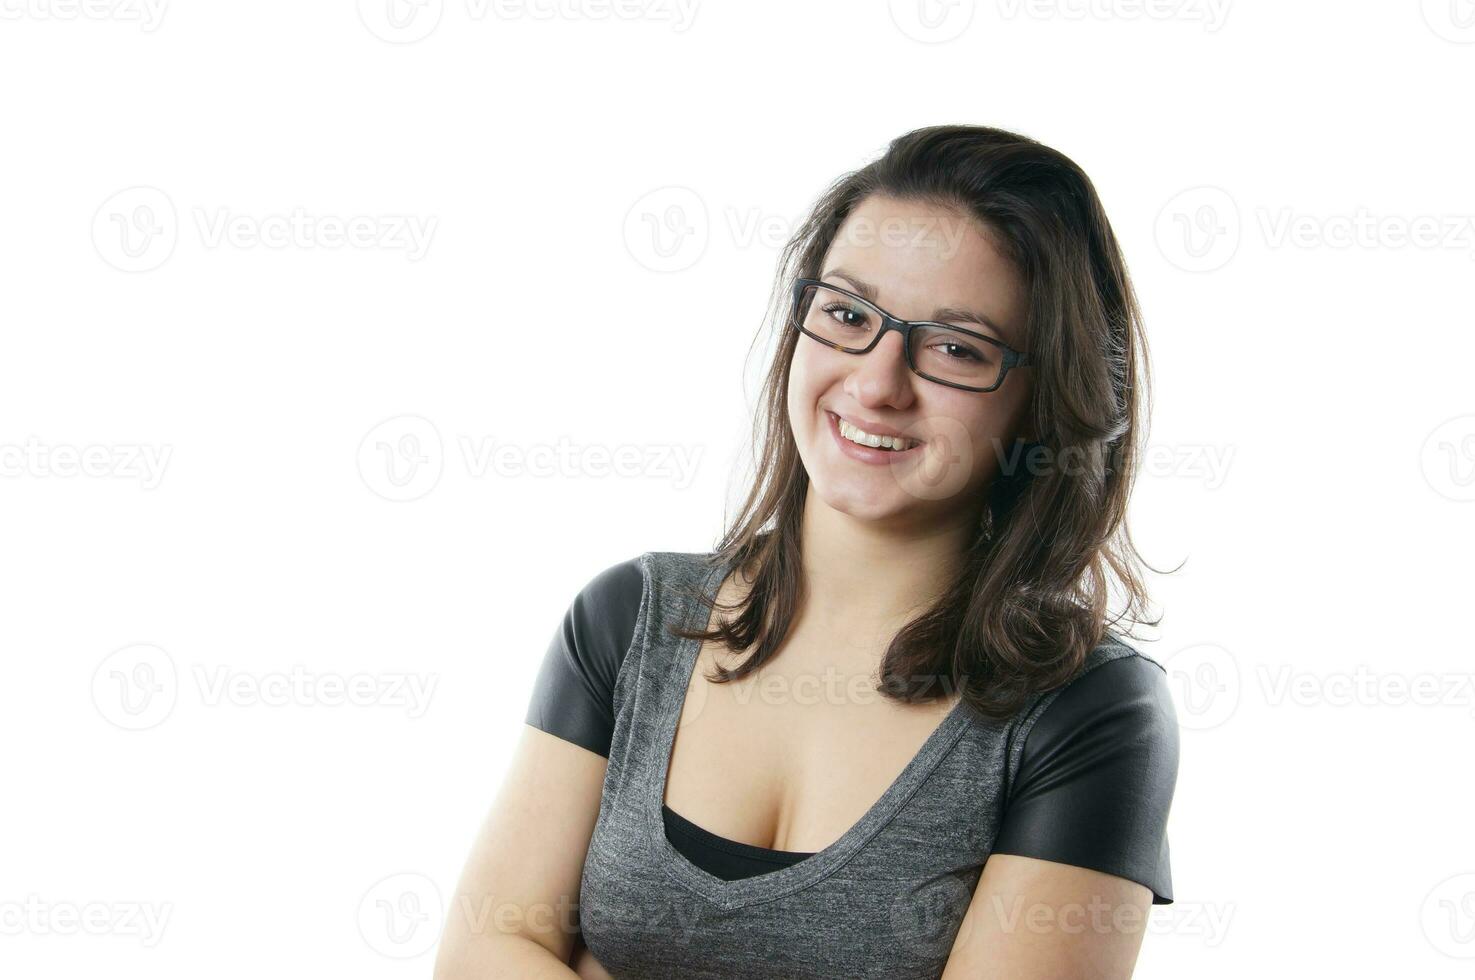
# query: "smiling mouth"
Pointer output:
{"type": "Point", "coordinates": [884, 443]}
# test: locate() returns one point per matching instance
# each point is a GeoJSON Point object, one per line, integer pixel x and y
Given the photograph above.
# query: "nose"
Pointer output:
{"type": "Point", "coordinates": [882, 375]}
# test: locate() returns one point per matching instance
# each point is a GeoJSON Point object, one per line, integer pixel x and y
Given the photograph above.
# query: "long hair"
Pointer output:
{"type": "Point", "coordinates": [1032, 595]}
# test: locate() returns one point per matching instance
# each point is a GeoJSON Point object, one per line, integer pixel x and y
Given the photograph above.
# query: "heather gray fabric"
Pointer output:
{"type": "Point", "coordinates": [886, 899]}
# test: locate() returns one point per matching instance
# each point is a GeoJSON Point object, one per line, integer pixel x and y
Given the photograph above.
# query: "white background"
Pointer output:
{"type": "Point", "coordinates": [601, 199]}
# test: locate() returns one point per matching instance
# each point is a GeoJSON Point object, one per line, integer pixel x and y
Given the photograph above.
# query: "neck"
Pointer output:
{"type": "Point", "coordinates": [865, 579]}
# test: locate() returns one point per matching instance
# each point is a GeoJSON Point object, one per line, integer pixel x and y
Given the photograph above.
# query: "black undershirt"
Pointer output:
{"type": "Point", "coordinates": [727, 859]}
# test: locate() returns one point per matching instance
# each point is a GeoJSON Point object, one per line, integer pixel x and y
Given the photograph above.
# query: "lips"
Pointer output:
{"type": "Point", "coordinates": [878, 430]}
{"type": "Point", "coordinates": [865, 454]}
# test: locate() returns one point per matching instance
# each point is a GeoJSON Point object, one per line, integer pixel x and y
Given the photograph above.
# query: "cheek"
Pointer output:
{"type": "Point", "coordinates": [994, 434]}
{"type": "Point", "coordinates": [976, 437]}
{"type": "Point", "coordinates": [806, 383]}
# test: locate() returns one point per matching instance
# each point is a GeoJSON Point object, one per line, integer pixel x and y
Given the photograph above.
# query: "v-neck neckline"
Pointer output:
{"type": "Point", "coordinates": [784, 881]}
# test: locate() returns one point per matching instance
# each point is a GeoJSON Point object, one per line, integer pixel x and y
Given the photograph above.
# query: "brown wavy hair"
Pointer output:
{"type": "Point", "coordinates": [1031, 598]}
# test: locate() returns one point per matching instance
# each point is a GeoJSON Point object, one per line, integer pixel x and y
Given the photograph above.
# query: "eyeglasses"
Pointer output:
{"type": "Point", "coordinates": [939, 352]}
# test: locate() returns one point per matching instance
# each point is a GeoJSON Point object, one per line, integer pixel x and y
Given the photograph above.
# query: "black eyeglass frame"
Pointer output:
{"type": "Point", "coordinates": [1012, 358]}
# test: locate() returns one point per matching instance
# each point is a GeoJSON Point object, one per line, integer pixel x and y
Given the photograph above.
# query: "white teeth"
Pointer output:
{"type": "Point", "coordinates": [875, 442]}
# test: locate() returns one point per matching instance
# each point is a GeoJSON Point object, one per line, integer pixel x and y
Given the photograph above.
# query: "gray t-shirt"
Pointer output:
{"type": "Point", "coordinates": [1092, 788]}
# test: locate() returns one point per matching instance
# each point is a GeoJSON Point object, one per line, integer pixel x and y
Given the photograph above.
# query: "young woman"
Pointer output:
{"type": "Point", "coordinates": [887, 728]}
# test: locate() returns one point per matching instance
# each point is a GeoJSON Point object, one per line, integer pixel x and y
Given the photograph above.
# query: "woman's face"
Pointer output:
{"type": "Point", "coordinates": [914, 260]}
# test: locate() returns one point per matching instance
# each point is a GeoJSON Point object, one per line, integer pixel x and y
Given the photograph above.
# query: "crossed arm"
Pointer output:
{"type": "Point", "coordinates": [514, 911]}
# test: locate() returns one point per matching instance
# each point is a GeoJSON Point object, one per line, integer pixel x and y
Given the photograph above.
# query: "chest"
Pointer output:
{"type": "Point", "coordinates": [793, 756]}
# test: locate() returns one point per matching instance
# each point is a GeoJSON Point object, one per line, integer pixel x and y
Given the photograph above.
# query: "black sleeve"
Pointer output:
{"type": "Point", "coordinates": [573, 696]}
{"type": "Point", "coordinates": [1097, 774]}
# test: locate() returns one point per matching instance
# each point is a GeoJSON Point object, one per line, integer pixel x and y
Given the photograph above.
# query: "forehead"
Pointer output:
{"type": "Point", "coordinates": [922, 256]}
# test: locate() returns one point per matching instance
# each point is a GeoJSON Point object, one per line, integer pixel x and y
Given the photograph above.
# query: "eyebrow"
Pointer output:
{"type": "Point", "coordinates": [942, 314]}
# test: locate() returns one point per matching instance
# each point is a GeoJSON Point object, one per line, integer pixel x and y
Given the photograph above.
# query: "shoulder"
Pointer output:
{"type": "Point", "coordinates": [615, 592]}
{"type": "Point", "coordinates": [1096, 772]}
{"type": "Point", "coordinates": [1118, 690]}
{"type": "Point", "coordinates": [573, 695]}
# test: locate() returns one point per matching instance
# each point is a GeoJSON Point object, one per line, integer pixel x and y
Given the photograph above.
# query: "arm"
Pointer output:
{"type": "Point", "coordinates": [1041, 920]}
{"type": "Point", "coordinates": [515, 909]}
{"type": "Point", "coordinates": [1082, 851]}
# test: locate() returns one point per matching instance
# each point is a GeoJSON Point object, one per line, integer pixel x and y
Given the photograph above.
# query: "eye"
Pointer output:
{"type": "Point", "coordinates": [832, 309]}
{"type": "Point", "coordinates": [955, 348]}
